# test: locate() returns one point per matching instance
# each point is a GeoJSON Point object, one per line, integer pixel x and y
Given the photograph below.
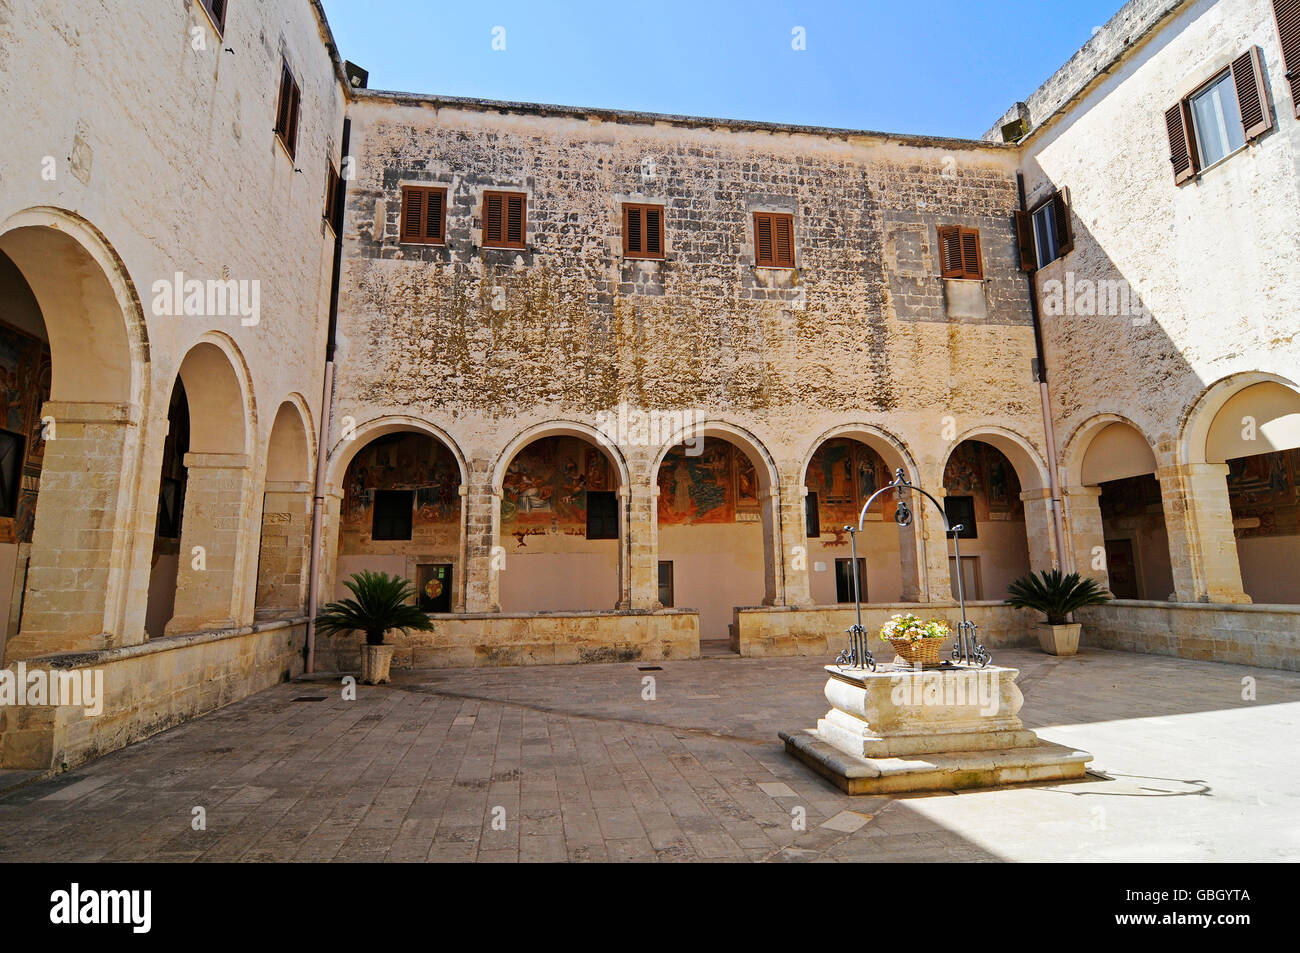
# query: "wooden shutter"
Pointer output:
{"type": "Point", "coordinates": [435, 213]}
{"type": "Point", "coordinates": [959, 252]}
{"type": "Point", "coordinates": [333, 193]}
{"type": "Point", "coordinates": [654, 231]}
{"type": "Point", "coordinates": [1064, 226]}
{"type": "Point", "coordinates": [643, 231]}
{"type": "Point", "coordinates": [972, 261]}
{"type": "Point", "coordinates": [1287, 14]}
{"type": "Point", "coordinates": [1252, 97]}
{"type": "Point", "coordinates": [1182, 148]}
{"type": "Point", "coordinates": [515, 220]}
{"type": "Point", "coordinates": [492, 218]}
{"type": "Point", "coordinates": [783, 238]}
{"type": "Point", "coordinates": [773, 240]}
{"type": "Point", "coordinates": [763, 239]}
{"type": "Point", "coordinates": [286, 114]}
{"type": "Point", "coordinates": [1025, 239]}
{"type": "Point", "coordinates": [632, 230]}
{"type": "Point", "coordinates": [217, 10]}
{"type": "Point", "coordinates": [424, 215]}
{"type": "Point", "coordinates": [505, 223]}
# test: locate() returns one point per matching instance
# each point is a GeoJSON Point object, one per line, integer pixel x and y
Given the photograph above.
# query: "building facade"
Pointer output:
{"type": "Point", "coordinates": [605, 385]}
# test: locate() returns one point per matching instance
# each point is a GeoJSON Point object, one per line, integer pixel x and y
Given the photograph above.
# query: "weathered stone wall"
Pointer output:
{"type": "Point", "coordinates": [1264, 636]}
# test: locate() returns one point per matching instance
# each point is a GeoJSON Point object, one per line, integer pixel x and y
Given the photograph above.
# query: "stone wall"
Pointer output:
{"type": "Point", "coordinates": [1264, 636]}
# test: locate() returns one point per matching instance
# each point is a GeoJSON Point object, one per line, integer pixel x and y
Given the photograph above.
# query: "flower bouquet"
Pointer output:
{"type": "Point", "coordinates": [915, 640]}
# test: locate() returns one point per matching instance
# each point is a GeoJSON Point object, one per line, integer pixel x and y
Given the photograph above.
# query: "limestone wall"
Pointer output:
{"type": "Point", "coordinates": [1266, 636]}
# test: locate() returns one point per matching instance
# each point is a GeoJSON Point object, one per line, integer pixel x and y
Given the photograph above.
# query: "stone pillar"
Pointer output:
{"type": "Point", "coordinates": [285, 550]}
{"type": "Point", "coordinates": [642, 545]}
{"type": "Point", "coordinates": [910, 563]}
{"type": "Point", "coordinates": [1039, 531]}
{"type": "Point", "coordinates": [483, 561]}
{"type": "Point", "coordinates": [934, 544]}
{"type": "Point", "coordinates": [84, 532]}
{"type": "Point", "coordinates": [773, 561]}
{"type": "Point", "coordinates": [331, 532]}
{"type": "Point", "coordinates": [1085, 534]}
{"type": "Point", "coordinates": [1202, 546]}
{"type": "Point", "coordinates": [216, 520]}
{"type": "Point", "coordinates": [794, 550]}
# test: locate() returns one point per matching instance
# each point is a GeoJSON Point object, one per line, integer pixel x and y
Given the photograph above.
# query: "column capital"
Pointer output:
{"type": "Point", "coordinates": [1081, 491]}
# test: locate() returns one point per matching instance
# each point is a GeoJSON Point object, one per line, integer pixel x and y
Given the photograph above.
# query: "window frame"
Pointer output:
{"type": "Point", "coordinates": [505, 196]}
{"type": "Point", "coordinates": [287, 120]}
{"type": "Point", "coordinates": [1245, 73]}
{"type": "Point", "coordinates": [1222, 76]}
{"type": "Point", "coordinates": [774, 262]}
{"type": "Point", "coordinates": [404, 237]}
{"type": "Point", "coordinates": [333, 196]}
{"type": "Point", "coordinates": [969, 528]}
{"type": "Point", "coordinates": [659, 584]}
{"type": "Point", "coordinates": [642, 208]}
{"type": "Point", "coordinates": [218, 22]}
{"type": "Point", "coordinates": [610, 520]}
{"type": "Point", "coordinates": [843, 573]}
{"type": "Point", "coordinates": [1050, 226]}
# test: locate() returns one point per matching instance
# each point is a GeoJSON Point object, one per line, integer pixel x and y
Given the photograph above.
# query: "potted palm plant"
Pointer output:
{"type": "Point", "coordinates": [1056, 596]}
{"type": "Point", "coordinates": [380, 604]}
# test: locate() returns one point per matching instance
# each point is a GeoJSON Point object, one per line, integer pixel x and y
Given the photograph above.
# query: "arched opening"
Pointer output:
{"type": "Point", "coordinates": [716, 517]}
{"type": "Point", "coordinates": [284, 553]}
{"type": "Point", "coordinates": [1257, 434]}
{"type": "Point", "coordinates": [401, 514]}
{"type": "Point", "coordinates": [562, 523]}
{"type": "Point", "coordinates": [165, 563]}
{"type": "Point", "coordinates": [74, 362]}
{"type": "Point", "coordinates": [982, 493]}
{"type": "Point", "coordinates": [843, 473]}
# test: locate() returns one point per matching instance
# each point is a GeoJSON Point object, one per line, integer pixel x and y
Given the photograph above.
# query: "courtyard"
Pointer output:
{"type": "Point", "coordinates": [596, 763]}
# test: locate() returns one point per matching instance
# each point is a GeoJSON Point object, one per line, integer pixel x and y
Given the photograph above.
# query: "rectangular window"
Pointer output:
{"type": "Point", "coordinates": [333, 199]}
{"type": "Point", "coordinates": [844, 579]}
{"type": "Point", "coordinates": [1045, 234]}
{"type": "Point", "coordinates": [602, 515]}
{"type": "Point", "coordinates": [959, 253]}
{"type": "Point", "coordinates": [1219, 118]}
{"type": "Point", "coordinates": [666, 584]}
{"type": "Point", "coordinates": [773, 240]}
{"type": "Point", "coordinates": [812, 516]}
{"type": "Point", "coordinates": [504, 219]}
{"type": "Point", "coordinates": [394, 513]}
{"type": "Point", "coordinates": [424, 215]}
{"type": "Point", "coordinates": [643, 231]}
{"type": "Point", "coordinates": [216, 9]}
{"type": "Point", "coordinates": [961, 512]}
{"type": "Point", "coordinates": [286, 114]}
{"type": "Point", "coordinates": [11, 471]}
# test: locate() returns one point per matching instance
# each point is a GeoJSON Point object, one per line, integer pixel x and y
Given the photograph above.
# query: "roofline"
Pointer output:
{"type": "Point", "coordinates": [632, 117]}
{"type": "Point", "coordinates": [331, 47]}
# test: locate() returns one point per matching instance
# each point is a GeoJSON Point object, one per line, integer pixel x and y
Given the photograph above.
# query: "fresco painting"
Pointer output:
{"type": "Point", "coordinates": [1264, 493]}
{"type": "Point", "coordinates": [979, 470]}
{"type": "Point", "coordinates": [24, 388]}
{"type": "Point", "coordinates": [844, 473]}
{"type": "Point", "coordinates": [718, 486]}
{"type": "Point", "coordinates": [407, 461]}
{"type": "Point", "coordinates": [546, 485]}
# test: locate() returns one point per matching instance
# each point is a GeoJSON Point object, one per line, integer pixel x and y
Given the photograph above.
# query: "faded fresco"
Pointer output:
{"type": "Point", "coordinates": [718, 486]}
{"type": "Point", "coordinates": [979, 470]}
{"type": "Point", "coordinates": [1263, 493]}
{"type": "Point", "coordinates": [24, 388]}
{"type": "Point", "coordinates": [545, 487]}
{"type": "Point", "coordinates": [406, 461]}
{"type": "Point", "coordinates": [844, 473]}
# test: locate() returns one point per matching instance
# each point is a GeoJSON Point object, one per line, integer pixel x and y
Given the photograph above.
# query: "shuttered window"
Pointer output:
{"type": "Point", "coordinates": [424, 215]}
{"type": "Point", "coordinates": [1287, 13]}
{"type": "Point", "coordinates": [333, 198]}
{"type": "Point", "coordinates": [959, 253]}
{"type": "Point", "coordinates": [504, 219]}
{"type": "Point", "coordinates": [773, 240]}
{"type": "Point", "coordinates": [1045, 234]}
{"type": "Point", "coordinates": [1221, 116]}
{"type": "Point", "coordinates": [643, 231]}
{"type": "Point", "coordinates": [217, 11]}
{"type": "Point", "coordinates": [286, 115]}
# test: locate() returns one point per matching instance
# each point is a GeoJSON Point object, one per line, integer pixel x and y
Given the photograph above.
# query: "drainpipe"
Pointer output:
{"type": "Point", "coordinates": [327, 413]}
{"type": "Point", "coordinates": [1045, 398]}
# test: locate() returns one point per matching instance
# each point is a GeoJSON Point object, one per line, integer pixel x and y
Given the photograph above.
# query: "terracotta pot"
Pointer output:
{"type": "Point", "coordinates": [1059, 639]}
{"type": "Point", "coordinates": [375, 662]}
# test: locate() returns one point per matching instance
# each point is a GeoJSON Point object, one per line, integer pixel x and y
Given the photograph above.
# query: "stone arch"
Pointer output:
{"type": "Point", "coordinates": [217, 379]}
{"type": "Point", "coordinates": [347, 446]}
{"type": "Point", "coordinates": [559, 428]}
{"type": "Point", "coordinates": [769, 478]}
{"type": "Point", "coordinates": [1207, 433]}
{"type": "Point", "coordinates": [90, 436]}
{"type": "Point", "coordinates": [890, 447]}
{"type": "Point", "coordinates": [284, 554]}
{"type": "Point", "coordinates": [1028, 462]}
{"type": "Point", "coordinates": [291, 444]}
{"type": "Point", "coordinates": [1100, 433]}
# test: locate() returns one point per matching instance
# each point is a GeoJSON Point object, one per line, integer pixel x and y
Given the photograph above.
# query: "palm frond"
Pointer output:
{"type": "Point", "coordinates": [380, 604]}
{"type": "Point", "coordinates": [1055, 594]}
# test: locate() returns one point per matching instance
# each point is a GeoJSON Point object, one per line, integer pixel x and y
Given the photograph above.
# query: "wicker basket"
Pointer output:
{"type": "Point", "coordinates": [925, 653]}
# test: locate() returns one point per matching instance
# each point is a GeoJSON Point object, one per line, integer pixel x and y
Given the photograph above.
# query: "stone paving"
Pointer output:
{"type": "Point", "coordinates": [575, 763]}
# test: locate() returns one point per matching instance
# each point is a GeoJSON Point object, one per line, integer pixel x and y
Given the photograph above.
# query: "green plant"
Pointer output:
{"type": "Point", "coordinates": [379, 605]}
{"type": "Point", "coordinates": [1055, 595]}
{"type": "Point", "coordinates": [913, 629]}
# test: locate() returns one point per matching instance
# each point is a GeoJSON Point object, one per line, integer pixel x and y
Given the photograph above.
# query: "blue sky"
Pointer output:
{"type": "Point", "coordinates": [937, 67]}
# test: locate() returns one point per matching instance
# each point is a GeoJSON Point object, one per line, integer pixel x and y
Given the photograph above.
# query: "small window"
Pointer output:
{"type": "Point", "coordinates": [286, 115]}
{"type": "Point", "coordinates": [643, 231]}
{"type": "Point", "coordinates": [602, 515]}
{"type": "Point", "coordinates": [394, 513]}
{"type": "Point", "coordinates": [11, 471]}
{"type": "Point", "coordinates": [812, 516]}
{"type": "Point", "coordinates": [961, 512]}
{"type": "Point", "coordinates": [844, 580]}
{"type": "Point", "coordinates": [333, 199]}
{"type": "Point", "coordinates": [1219, 118]}
{"type": "Point", "coordinates": [505, 220]}
{"type": "Point", "coordinates": [1045, 234]}
{"type": "Point", "coordinates": [773, 240]}
{"type": "Point", "coordinates": [1216, 116]}
{"type": "Point", "coordinates": [666, 584]}
{"type": "Point", "coordinates": [959, 253]}
{"type": "Point", "coordinates": [424, 216]}
{"type": "Point", "coordinates": [216, 10]}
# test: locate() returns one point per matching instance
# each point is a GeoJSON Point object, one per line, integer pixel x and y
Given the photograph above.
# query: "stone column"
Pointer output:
{"type": "Point", "coordinates": [1085, 534]}
{"type": "Point", "coordinates": [84, 531]}
{"type": "Point", "coordinates": [773, 562]}
{"type": "Point", "coordinates": [794, 550]}
{"type": "Point", "coordinates": [1202, 546]}
{"type": "Point", "coordinates": [483, 560]}
{"type": "Point", "coordinates": [642, 545]}
{"type": "Point", "coordinates": [331, 531]}
{"type": "Point", "coordinates": [910, 563]}
{"type": "Point", "coordinates": [285, 550]}
{"type": "Point", "coordinates": [216, 520]}
{"type": "Point", "coordinates": [1039, 531]}
{"type": "Point", "coordinates": [934, 544]}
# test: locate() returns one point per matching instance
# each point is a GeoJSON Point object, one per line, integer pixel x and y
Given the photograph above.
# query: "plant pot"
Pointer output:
{"type": "Point", "coordinates": [375, 662]}
{"type": "Point", "coordinates": [1059, 639]}
{"type": "Point", "coordinates": [924, 653]}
